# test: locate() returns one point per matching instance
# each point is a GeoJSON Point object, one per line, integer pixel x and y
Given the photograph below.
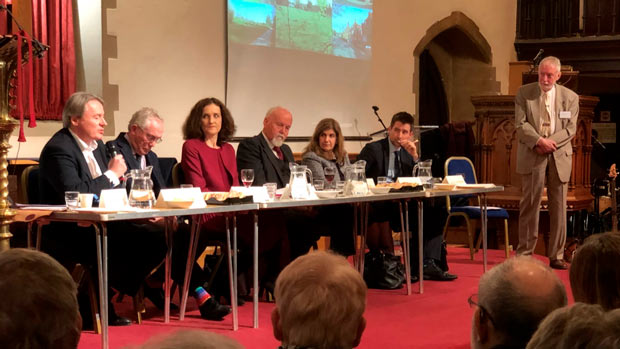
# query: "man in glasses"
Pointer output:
{"type": "Point", "coordinates": [145, 129]}
{"type": "Point", "coordinates": [513, 298]}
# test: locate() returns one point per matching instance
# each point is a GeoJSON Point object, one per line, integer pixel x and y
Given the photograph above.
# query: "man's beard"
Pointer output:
{"type": "Point", "coordinates": [278, 140]}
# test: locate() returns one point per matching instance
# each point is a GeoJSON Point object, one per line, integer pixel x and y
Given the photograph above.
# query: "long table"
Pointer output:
{"type": "Point", "coordinates": [99, 220]}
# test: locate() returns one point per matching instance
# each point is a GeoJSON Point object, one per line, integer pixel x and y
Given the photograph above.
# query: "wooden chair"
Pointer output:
{"type": "Point", "coordinates": [462, 165]}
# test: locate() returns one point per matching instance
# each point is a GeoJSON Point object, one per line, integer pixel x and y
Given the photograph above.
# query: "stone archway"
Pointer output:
{"type": "Point", "coordinates": [463, 57]}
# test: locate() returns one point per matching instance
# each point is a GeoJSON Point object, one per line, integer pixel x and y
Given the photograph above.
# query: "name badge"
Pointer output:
{"type": "Point", "coordinates": [564, 115]}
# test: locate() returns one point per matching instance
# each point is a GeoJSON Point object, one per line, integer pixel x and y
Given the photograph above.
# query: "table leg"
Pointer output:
{"type": "Point", "coordinates": [230, 251]}
{"type": "Point", "coordinates": [38, 242]}
{"type": "Point", "coordinates": [169, 231]}
{"type": "Point", "coordinates": [235, 277]}
{"type": "Point", "coordinates": [405, 239]}
{"type": "Point", "coordinates": [29, 234]}
{"type": "Point", "coordinates": [358, 251]}
{"type": "Point", "coordinates": [363, 230]}
{"type": "Point", "coordinates": [255, 283]}
{"type": "Point", "coordinates": [420, 245]}
{"type": "Point", "coordinates": [103, 285]}
{"type": "Point", "coordinates": [483, 223]}
{"type": "Point", "coordinates": [191, 257]}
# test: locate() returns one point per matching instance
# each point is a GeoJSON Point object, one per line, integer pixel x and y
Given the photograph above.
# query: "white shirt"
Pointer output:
{"type": "Point", "coordinates": [93, 166]}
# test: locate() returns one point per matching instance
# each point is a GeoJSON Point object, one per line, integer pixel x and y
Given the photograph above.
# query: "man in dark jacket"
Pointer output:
{"type": "Point", "coordinates": [393, 157]}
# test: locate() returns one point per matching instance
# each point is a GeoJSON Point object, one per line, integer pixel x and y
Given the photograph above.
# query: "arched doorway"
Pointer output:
{"type": "Point", "coordinates": [454, 57]}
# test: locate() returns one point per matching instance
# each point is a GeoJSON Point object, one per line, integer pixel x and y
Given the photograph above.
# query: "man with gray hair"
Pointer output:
{"type": "Point", "coordinates": [546, 122]}
{"type": "Point", "coordinates": [145, 129]}
{"type": "Point", "coordinates": [38, 307]}
{"type": "Point", "coordinates": [513, 298]}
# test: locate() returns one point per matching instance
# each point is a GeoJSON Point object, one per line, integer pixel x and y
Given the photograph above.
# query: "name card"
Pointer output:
{"type": "Point", "coordinates": [180, 198]}
{"type": "Point", "coordinates": [115, 199]}
{"type": "Point", "coordinates": [259, 194]}
{"type": "Point", "coordinates": [455, 179]}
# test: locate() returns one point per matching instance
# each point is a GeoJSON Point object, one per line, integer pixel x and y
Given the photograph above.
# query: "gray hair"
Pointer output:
{"type": "Point", "coordinates": [75, 106]}
{"type": "Point", "coordinates": [38, 307]}
{"type": "Point", "coordinates": [142, 116]}
{"type": "Point", "coordinates": [551, 60]}
{"type": "Point", "coordinates": [516, 311]}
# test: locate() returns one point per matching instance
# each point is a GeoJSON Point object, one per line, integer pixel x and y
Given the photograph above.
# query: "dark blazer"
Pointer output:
{"type": "Point", "coordinates": [255, 153]}
{"type": "Point", "coordinates": [63, 168]}
{"type": "Point", "coordinates": [125, 149]}
{"type": "Point", "coordinates": [377, 157]}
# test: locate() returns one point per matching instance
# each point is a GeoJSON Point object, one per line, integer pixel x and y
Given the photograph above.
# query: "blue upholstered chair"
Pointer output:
{"type": "Point", "coordinates": [471, 214]}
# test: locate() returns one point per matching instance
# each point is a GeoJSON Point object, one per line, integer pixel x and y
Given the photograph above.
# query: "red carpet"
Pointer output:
{"type": "Point", "coordinates": [439, 318]}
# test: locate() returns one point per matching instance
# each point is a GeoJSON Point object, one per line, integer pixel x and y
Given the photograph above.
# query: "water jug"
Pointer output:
{"type": "Point", "coordinates": [141, 194]}
{"type": "Point", "coordinates": [298, 182]}
{"type": "Point", "coordinates": [423, 171]}
{"type": "Point", "coordinates": [355, 179]}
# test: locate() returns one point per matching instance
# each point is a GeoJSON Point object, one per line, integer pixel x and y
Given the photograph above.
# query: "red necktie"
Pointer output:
{"type": "Point", "coordinates": [279, 152]}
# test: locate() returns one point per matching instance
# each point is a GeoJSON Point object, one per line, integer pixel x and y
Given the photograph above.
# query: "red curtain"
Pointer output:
{"type": "Point", "coordinates": [54, 74]}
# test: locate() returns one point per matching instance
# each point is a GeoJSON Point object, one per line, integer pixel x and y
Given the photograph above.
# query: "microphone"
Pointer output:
{"type": "Point", "coordinates": [538, 56]}
{"type": "Point", "coordinates": [375, 108]}
{"type": "Point", "coordinates": [111, 148]}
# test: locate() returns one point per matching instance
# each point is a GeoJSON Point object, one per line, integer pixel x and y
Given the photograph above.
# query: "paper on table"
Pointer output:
{"type": "Point", "coordinates": [476, 185]}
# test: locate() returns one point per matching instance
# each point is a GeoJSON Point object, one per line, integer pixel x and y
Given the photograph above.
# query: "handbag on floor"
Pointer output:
{"type": "Point", "coordinates": [383, 271]}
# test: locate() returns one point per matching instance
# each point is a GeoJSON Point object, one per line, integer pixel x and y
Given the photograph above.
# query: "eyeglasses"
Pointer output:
{"type": "Point", "coordinates": [151, 138]}
{"type": "Point", "coordinates": [473, 301]}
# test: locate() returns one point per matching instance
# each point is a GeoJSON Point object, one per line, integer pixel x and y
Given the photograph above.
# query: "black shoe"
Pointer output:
{"type": "Point", "coordinates": [433, 272]}
{"type": "Point", "coordinates": [414, 279]}
{"type": "Point", "coordinates": [114, 319]}
{"type": "Point", "coordinates": [157, 297]}
{"type": "Point", "coordinates": [212, 310]}
{"type": "Point", "coordinates": [267, 290]}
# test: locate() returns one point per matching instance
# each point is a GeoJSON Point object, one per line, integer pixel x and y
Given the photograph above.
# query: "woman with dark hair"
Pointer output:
{"type": "Point", "coordinates": [594, 272]}
{"type": "Point", "coordinates": [208, 161]}
{"type": "Point", "coordinates": [326, 150]}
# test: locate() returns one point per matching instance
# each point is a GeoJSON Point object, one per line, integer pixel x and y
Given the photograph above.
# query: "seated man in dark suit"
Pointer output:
{"type": "Point", "coordinates": [145, 129]}
{"type": "Point", "coordinates": [269, 157]}
{"type": "Point", "coordinates": [74, 159]}
{"type": "Point", "coordinates": [393, 157]}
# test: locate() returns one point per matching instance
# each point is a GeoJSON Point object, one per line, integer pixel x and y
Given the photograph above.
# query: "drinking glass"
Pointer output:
{"type": "Point", "coordinates": [340, 186]}
{"type": "Point", "coordinates": [247, 177]}
{"type": "Point", "coordinates": [271, 190]}
{"type": "Point", "coordinates": [382, 179]}
{"type": "Point", "coordinates": [318, 184]}
{"type": "Point", "coordinates": [72, 199]}
{"type": "Point", "coordinates": [330, 174]}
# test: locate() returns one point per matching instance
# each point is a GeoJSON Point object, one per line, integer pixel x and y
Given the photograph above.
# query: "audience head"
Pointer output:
{"type": "Point", "coordinates": [209, 118]}
{"type": "Point", "coordinates": [145, 129]}
{"type": "Point", "coordinates": [549, 71]}
{"type": "Point", "coordinates": [594, 272]}
{"type": "Point", "coordinates": [580, 326]}
{"type": "Point", "coordinates": [327, 140]}
{"type": "Point", "coordinates": [84, 115]}
{"type": "Point", "coordinates": [513, 298]}
{"type": "Point", "coordinates": [401, 128]}
{"type": "Point", "coordinates": [320, 301]}
{"type": "Point", "coordinates": [38, 302]}
{"type": "Point", "coordinates": [191, 339]}
{"type": "Point", "coordinates": [277, 124]}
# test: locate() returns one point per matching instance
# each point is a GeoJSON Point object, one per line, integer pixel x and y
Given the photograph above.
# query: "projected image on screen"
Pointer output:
{"type": "Point", "coordinates": [334, 27]}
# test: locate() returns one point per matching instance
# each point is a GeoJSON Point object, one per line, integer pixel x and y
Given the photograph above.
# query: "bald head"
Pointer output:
{"type": "Point", "coordinates": [518, 294]}
{"type": "Point", "coordinates": [277, 123]}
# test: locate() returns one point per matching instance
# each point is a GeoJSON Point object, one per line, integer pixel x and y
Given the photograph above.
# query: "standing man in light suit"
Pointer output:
{"type": "Point", "coordinates": [546, 121]}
